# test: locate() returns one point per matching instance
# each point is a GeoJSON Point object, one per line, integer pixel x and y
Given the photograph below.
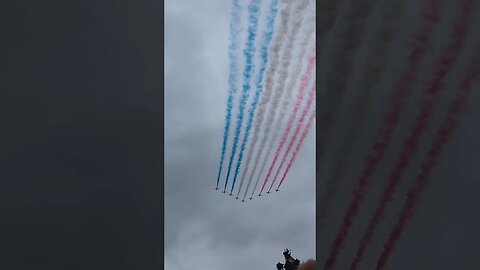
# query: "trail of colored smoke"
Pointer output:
{"type": "Point", "coordinates": [283, 108]}
{"type": "Point", "coordinates": [297, 148]}
{"type": "Point", "coordinates": [410, 145]}
{"type": "Point", "coordinates": [293, 78]}
{"type": "Point", "coordinates": [267, 38]}
{"type": "Point", "coordinates": [377, 151]}
{"type": "Point", "coordinates": [232, 77]}
{"type": "Point", "coordinates": [310, 99]}
{"type": "Point", "coordinates": [442, 137]}
{"type": "Point", "coordinates": [289, 38]}
{"type": "Point", "coordinates": [253, 12]}
{"type": "Point", "coordinates": [304, 82]}
{"type": "Point", "coordinates": [287, 57]}
{"type": "Point", "coordinates": [271, 70]}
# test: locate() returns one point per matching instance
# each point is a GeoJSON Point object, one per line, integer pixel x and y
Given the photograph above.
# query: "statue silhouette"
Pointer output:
{"type": "Point", "coordinates": [290, 262]}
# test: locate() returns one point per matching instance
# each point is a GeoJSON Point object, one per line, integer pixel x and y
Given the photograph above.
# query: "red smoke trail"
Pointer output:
{"type": "Point", "coordinates": [442, 137]}
{"type": "Point", "coordinates": [377, 151]}
{"type": "Point", "coordinates": [411, 143]}
{"type": "Point", "coordinates": [310, 99]}
{"type": "Point", "coordinates": [301, 93]}
{"type": "Point", "coordinates": [297, 149]}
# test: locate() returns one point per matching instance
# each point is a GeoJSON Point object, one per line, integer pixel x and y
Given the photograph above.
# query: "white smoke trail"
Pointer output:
{"type": "Point", "coordinates": [296, 24]}
{"type": "Point", "coordinates": [293, 79]}
{"type": "Point", "coordinates": [267, 38]}
{"type": "Point", "coordinates": [281, 79]}
{"type": "Point", "coordinates": [268, 86]}
{"type": "Point", "coordinates": [326, 16]}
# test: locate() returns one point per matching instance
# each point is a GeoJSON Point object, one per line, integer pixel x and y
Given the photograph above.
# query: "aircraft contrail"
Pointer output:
{"type": "Point", "coordinates": [267, 38]}
{"type": "Point", "coordinates": [442, 138]}
{"type": "Point", "coordinates": [388, 125]}
{"type": "Point", "coordinates": [299, 144]}
{"type": "Point", "coordinates": [249, 51]}
{"type": "Point", "coordinates": [325, 20]}
{"type": "Point", "coordinates": [303, 84]}
{"type": "Point", "coordinates": [297, 148]}
{"type": "Point", "coordinates": [289, 40]}
{"type": "Point", "coordinates": [268, 86]}
{"type": "Point", "coordinates": [410, 145]}
{"type": "Point", "coordinates": [296, 132]}
{"type": "Point", "coordinates": [368, 68]}
{"type": "Point", "coordinates": [232, 77]}
{"type": "Point", "coordinates": [310, 24]}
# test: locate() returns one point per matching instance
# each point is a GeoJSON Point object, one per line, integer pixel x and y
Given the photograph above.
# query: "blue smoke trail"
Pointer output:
{"type": "Point", "coordinates": [232, 78]}
{"type": "Point", "coordinates": [253, 12]}
{"type": "Point", "coordinates": [267, 38]}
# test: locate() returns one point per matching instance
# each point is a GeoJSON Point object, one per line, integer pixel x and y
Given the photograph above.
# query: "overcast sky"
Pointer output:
{"type": "Point", "coordinates": [81, 164]}
{"type": "Point", "coordinates": [205, 227]}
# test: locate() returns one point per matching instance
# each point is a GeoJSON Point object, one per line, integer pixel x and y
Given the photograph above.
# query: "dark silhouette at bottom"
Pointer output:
{"type": "Point", "coordinates": [290, 262]}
